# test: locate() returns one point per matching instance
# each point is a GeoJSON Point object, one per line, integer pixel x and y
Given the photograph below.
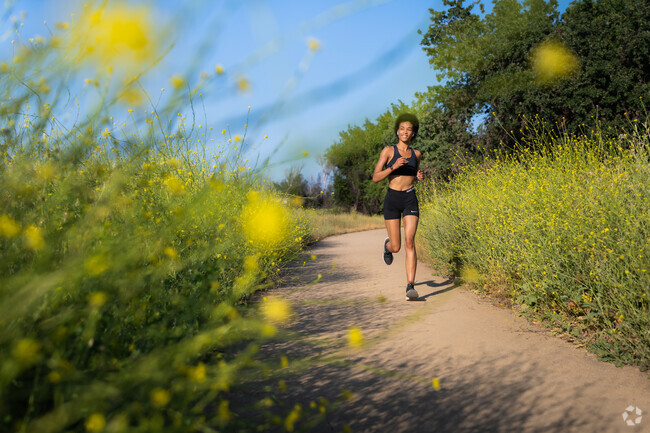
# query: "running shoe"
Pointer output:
{"type": "Point", "coordinates": [387, 256]}
{"type": "Point", "coordinates": [411, 293]}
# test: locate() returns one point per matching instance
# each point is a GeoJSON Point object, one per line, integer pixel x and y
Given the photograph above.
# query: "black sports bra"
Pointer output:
{"type": "Point", "coordinates": [408, 169]}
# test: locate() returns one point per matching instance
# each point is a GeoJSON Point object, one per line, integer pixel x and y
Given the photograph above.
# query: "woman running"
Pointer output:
{"type": "Point", "coordinates": [401, 164]}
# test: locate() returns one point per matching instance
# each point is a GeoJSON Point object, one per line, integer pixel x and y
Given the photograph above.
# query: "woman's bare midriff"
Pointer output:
{"type": "Point", "coordinates": [401, 182]}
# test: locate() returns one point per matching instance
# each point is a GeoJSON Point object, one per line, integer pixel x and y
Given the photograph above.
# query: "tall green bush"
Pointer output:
{"type": "Point", "coordinates": [561, 228]}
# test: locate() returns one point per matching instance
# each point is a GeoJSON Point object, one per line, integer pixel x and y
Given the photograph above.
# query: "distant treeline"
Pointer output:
{"type": "Point", "coordinates": [495, 86]}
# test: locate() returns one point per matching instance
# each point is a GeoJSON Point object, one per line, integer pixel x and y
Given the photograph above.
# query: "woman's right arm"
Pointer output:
{"type": "Point", "coordinates": [381, 173]}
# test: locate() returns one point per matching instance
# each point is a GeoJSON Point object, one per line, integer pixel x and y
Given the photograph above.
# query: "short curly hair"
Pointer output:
{"type": "Point", "coordinates": [408, 117]}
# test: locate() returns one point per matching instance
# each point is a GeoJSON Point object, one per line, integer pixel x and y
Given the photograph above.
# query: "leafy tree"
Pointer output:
{"type": "Point", "coordinates": [293, 183]}
{"type": "Point", "coordinates": [612, 41]}
{"type": "Point", "coordinates": [486, 60]}
{"type": "Point", "coordinates": [353, 158]}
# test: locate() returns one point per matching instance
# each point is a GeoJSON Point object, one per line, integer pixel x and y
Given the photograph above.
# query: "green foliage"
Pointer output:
{"type": "Point", "coordinates": [561, 228]}
{"type": "Point", "coordinates": [354, 157]}
{"type": "Point", "coordinates": [294, 183]}
{"type": "Point", "coordinates": [488, 62]}
{"type": "Point", "coordinates": [127, 256]}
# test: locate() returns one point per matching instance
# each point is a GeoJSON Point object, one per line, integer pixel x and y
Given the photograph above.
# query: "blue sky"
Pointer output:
{"type": "Point", "coordinates": [369, 58]}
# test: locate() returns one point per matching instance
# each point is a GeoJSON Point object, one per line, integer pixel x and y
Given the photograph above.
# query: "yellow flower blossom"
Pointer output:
{"type": "Point", "coordinates": [177, 81]}
{"type": "Point", "coordinates": [160, 397]}
{"type": "Point", "coordinates": [95, 422]}
{"type": "Point", "coordinates": [174, 184]}
{"type": "Point", "coordinates": [34, 238]}
{"type": "Point", "coordinates": [291, 419]}
{"type": "Point", "coordinates": [264, 221]}
{"type": "Point", "coordinates": [96, 265]}
{"type": "Point", "coordinates": [313, 44]}
{"type": "Point", "coordinates": [243, 84]}
{"type": "Point", "coordinates": [470, 274]}
{"type": "Point", "coordinates": [435, 382]}
{"type": "Point", "coordinates": [276, 309]}
{"type": "Point", "coordinates": [171, 253]}
{"type": "Point", "coordinates": [107, 35]}
{"type": "Point", "coordinates": [251, 264]}
{"type": "Point", "coordinates": [97, 299]}
{"type": "Point", "coordinates": [553, 60]}
{"type": "Point", "coordinates": [26, 351]}
{"type": "Point", "coordinates": [223, 412]}
{"type": "Point", "coordinates": [8, 227]}
{"type": "Point", "coordinates": [197, 374]}
{"type": "Point", "coordinates": [355, 337]}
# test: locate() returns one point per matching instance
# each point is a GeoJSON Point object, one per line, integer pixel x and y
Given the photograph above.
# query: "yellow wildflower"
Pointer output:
{"type": "Point", "coordinates": [97, 299]}
{"type": "Point", "coordinates": [177, 81]}
{"type": "Point", "coordinates": [174, 184]}
{"type": "Point", "coordinates": [264, 221]}
{"type": "Point", "coordinates": [8, 227]}
{"type": "Point", "coordinates": [313, 44]}
{"type": "Point", "coordinates": [171, 253]}
{"type": "Point", "coordinates": [34, 238]}
{"type": "Point", "coordinates": [95, 422]}
{"type": "Point", "coordinates": [96, 265]}
{"type": "Point", "coordinates": [26, 351]}
{"type": "Point", "coordinates": [160, 397]}
{"type": "Point", "coordinates": [223, 412]}
{"type": "Point", "coordinates": [120, 33]}
{"type": "Point", "coordinates": [552, 60]}
{"type": "Point", "coordinates": [276, 309]}
{"type": "Point", "coordinates": [470, 274]}
{"type": "Point", "coordinates": [243, 84]}
{"type": "Point", "coordinates": [197, 374]}
{"type": "Point", "coordinates": [355, 337]}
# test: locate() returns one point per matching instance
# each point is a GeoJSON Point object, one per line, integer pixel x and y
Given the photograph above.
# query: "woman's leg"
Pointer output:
{"type": "Point", "coordinates": [410, 227]}
{"type": "Point", "coordinates": [392, 227]}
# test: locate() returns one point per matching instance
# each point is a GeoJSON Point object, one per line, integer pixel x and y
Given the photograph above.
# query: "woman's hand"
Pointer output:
{"type": "Point", "coordinates": [399, 162]}
{"type": "Point", "coordinates": [420, 175]}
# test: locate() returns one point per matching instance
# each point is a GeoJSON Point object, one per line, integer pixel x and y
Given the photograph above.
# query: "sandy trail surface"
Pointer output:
{"type": "Point", "coordinates": [496, 371]}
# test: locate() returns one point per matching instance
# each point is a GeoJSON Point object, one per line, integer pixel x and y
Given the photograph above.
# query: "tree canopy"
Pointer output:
{"type": "Point", "coordinates": [521, 60]}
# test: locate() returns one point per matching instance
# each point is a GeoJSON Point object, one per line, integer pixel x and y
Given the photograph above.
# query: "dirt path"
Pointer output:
{"type": "Point", "coordinates": [497, 372]}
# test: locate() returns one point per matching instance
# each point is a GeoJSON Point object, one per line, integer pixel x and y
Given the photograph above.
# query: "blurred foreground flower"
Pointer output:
{"type": "Point", "coordinates": [276, 309]}
{"type": "Point", "coordinates": [355, 337]}
{"type": "Point", "coordinates": [119, 35]}
{"type": "Point", "coordinates": [26, 351]}
{"type": "Point", "coordinates": [95, 422]}
{"type": "Point", "coordinates": [8, 227]}
{"type": "Point", "coordinates": [470, 274]}
{"type": "Point", "coordinates": [34, 238]}
{"type": "Point", "coordinates": [160, 397]}
{"type": "Point", "coordinates": [264, 221]}
{"type": "Point", "coordinates": [553, 60]}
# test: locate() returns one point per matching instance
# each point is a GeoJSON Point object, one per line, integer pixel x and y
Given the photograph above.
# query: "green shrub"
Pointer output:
{"type": "Point", "coordinates": [562, 228]}
{"type": "Point", "coordinates": [127, 253]}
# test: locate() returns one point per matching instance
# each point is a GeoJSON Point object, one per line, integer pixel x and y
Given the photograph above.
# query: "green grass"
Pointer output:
{"type": "Point", "coordinates": [560, 229]}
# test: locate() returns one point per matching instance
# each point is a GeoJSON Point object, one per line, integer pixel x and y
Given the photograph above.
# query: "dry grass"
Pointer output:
{"type": "Point", "coordinates": [330, 222]}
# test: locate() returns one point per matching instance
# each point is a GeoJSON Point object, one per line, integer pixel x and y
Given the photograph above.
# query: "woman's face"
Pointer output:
{"type": "Point", "coordinates": [405, 131]}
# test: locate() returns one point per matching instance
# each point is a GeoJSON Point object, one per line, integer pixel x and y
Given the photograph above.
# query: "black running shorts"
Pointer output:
{"type": "Point", "coordinates": [397, 203]}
